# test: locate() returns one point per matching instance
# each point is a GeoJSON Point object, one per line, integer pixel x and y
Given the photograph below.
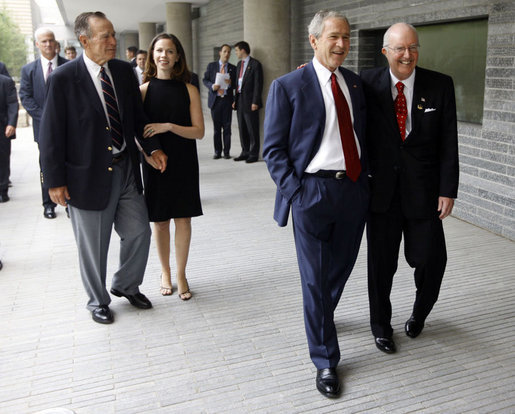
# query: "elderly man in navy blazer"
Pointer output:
{"type": "Point", "coordinates": [315, 151]}
{"type": "Point", "coordinates": [34, 76]}
{"type": "Point", "coordinates": [413, 145]}
{"type": "Point", "coordinates": [90, 162]}
{"type": "Point", "coordinates": [219, 100]}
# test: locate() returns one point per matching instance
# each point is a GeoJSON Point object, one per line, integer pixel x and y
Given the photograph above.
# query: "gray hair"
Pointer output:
{"type": "Point", "coordinates": [386, 37]}
{"type": "Point", "coordinates": [41, 31]}
{"type": "Point", "coordinates": [82, 23]}
{"type": "Point", "coordinates": [316, 27]}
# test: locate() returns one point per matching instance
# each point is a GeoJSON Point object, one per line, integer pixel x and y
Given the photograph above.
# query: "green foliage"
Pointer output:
{"type": "Point", "coordinates": [13, 51]}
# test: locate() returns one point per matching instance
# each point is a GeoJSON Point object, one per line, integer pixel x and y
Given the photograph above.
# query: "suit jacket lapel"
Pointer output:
{"type": "Point", "coordinates": [417, 104]}
{"type": "Point", "coordinates": [39, 78]}
{"type": "Point", "coordinates": [386, 102]}
{"type": "Point", "coordinates": [85, 83]}
{"type": "Point", "coordinates": [313, 94]}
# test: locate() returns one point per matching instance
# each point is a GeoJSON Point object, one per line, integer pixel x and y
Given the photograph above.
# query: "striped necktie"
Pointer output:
{"type": "Point", "coordinates": [112, 109]}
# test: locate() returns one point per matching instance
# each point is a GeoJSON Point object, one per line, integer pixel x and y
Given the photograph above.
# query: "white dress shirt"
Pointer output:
{"type": "Point", "coordinates": [44, 65]}
{"type": "Point", "coordinates": [94, 72]}
{"type": "Point", "coordinates": [330, 154]}
{"type": "Point", "coordinates": [408, 93]}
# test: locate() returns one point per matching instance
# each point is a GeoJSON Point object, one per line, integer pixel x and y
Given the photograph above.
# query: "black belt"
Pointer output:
{"type": "Point", "coordinates": [338, 175]}
{"type": "Point", "coordinates": [118, 157]}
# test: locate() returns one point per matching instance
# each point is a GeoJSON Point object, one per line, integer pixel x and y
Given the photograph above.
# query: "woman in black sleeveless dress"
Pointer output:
{"type": "Point", "coordinates": [173, 107]}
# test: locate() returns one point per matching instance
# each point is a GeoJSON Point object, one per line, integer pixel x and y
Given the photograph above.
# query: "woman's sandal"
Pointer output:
{"type": "Point", "coordinates": [186, 295]}
{"type": "Point", "coordinates": [165, 290]}
{"type": "Point", "coordinates": [183, 295]}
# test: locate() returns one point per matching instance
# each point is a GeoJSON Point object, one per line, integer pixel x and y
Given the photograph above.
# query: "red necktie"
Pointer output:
{"type": "Point", "coordinates": [240, 75]}
{"type": "Point", "coordinates": [350, 152]}
{"type": "Point", "coordinates": [401, 109]}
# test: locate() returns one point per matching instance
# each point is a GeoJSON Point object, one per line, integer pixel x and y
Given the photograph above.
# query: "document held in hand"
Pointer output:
{"type": "Point", "coordinates": [221, 80]}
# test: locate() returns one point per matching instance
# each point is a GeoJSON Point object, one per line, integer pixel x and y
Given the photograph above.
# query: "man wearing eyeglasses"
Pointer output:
{"type": "Point", "coordinates": [413, 155]}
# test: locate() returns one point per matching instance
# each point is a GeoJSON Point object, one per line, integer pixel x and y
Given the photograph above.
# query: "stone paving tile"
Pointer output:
{"type": "Point", "coordinates": [239, 345]}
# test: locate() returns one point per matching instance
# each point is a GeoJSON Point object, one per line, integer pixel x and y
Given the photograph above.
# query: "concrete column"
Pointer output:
{"type": "Point", "coordinates": [266, 28]}
{"type": "Point", "coordinates": [147, 31]}
{"type": "Point", "coordinates": [178, 23]}
{"type": "Point", "coordinates": [125, 40]}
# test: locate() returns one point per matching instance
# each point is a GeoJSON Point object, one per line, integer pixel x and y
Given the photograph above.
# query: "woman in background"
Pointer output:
{"type": "Point", "coordinates": [173, 107]}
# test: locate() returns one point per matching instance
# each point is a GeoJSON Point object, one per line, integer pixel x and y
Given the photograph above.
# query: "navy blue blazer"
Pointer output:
{"type": "Point", "coordinates": [424, 166]}
{"type": "Point", "coordinates": [33, 91]}
{"type": "Point", "coordinates": [294, 126]}
{"type": "Point", "coordinates": [8, 104]}
{"type": "Point", "coordinates": [75, 140]}
{"type": "Point", "coordinates": [209, 79]}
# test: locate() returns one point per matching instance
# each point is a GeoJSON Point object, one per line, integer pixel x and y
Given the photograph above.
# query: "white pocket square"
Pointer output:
{"type": "Point", "coordinates": [430, 110]}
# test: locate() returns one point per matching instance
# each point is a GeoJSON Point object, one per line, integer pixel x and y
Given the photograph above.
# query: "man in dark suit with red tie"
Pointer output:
{"type": "Point", "coordinates": [247, 102]}
{"type": "Point", "coordinates": [219, 100]}
{"type": "Point", "coordinates": [90, 162]}
{"type": "Point", "coordinates": [314, 148]}
{"type": "Point", "coordinates": [34, 76]}
{"type": "Point", "coordinates": [413, 151]}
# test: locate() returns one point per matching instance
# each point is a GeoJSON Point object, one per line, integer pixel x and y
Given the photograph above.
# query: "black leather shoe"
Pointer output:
{"type": "Point", "coordinates": [49, 212]}
{"type": "Point", "coordinates": [413, 327]}
{"type": "Point", "coordinates": [4, 198]}
{"type": "Point", "coordinates": [139, 300]}
{"type": "Point", "coordinates": [386, 345]}
{"type": "Point", "coordinates": [241, 157]}
{"type": "Point", "coordinates": [102, 314]}
{"type": "Point", "coordinates": [250, 160]}
{"type": "Point", "coordinates": [328, 383]}
{"type": "Point", "coordinates": [227, 157]}
{"type": "Point", "coordinates": [217, 156]}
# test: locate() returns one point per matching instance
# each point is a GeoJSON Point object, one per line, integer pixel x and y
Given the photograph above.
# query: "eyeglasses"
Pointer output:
{"type": "Point", "coordinates": [401, 50]}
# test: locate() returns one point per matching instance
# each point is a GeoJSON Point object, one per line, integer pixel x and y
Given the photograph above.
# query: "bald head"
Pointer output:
{"type": "Point", "coordinates": [400, 47]}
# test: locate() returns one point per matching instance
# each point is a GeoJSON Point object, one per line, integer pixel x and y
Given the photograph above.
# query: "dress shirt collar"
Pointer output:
{"type": "Point", "coordinates": [94, 68]}
{"type": "Point", "coordinates": [44, 64]}
{"type": "Point", "coordinates": [408, 83]}
{"type": "Point", "coordinates": [324, 74]}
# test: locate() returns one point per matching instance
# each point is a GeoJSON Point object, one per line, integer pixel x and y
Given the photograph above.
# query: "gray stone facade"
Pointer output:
{"type": "Point", "coordinates": [487, 151]}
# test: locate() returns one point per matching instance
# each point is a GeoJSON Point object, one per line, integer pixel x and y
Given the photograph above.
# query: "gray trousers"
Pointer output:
{"type": "Point", "coordinates": [127, 211]}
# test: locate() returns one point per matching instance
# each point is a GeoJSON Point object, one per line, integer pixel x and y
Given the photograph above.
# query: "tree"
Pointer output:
{"type": "Point", "coordinates": [13, 50]}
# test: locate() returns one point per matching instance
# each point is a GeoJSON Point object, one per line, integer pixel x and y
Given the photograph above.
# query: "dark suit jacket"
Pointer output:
{"type": "Point", "coordinates": [252, 85]}
{"type": "Point", "coordinates": [33, 91]}
{"type": "Point", "coordinates": [294, 126]}
{"type": "Point", "coordinates": [8, 104]}
{"type": "Point", "coordinates": [75, 141]}
{"type": "Point", "coordinates": [424, 166]}
{"type": "Point", "coordinates": [209, 80]}
{"type": "Point", "coordinates": [3, 70]}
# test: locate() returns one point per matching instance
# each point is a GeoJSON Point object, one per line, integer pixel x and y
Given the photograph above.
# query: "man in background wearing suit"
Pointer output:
{"type": "Point", "coordinates": [130, 53]}
{"type": "Point", "coordinates": [247, 101]}
{"type": "Point", "coordinates": [8, 120]}
{"type": "Point", "coordinates": [413, 147]}
{"type": "Point", "coordinates": [219, 100]}
{"type": "Point", "coordinates": [315, 151]}
{"type": "Point", "coordinates": [34, 76]}
{"type": "Point", "coordinates": [141, 60]}
{"type": "Point", "coordinates": [3, 70]}
{"type": "Point", "coordinates": [91, 162]}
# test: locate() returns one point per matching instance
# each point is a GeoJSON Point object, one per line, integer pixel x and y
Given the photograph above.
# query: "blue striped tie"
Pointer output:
{"type": "Point", "coordinates": [112, 109]}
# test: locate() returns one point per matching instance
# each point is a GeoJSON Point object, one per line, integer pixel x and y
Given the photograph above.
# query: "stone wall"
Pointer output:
{"type": "Point", "coordinates": [487, 151]}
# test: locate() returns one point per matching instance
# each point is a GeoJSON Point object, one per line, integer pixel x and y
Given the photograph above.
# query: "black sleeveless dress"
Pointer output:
{"type": "Point", "coordinates": [174, 193]}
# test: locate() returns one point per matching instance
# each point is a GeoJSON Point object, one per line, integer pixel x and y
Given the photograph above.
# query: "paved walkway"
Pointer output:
{"type": "Point", "coordinates": [239, 346]}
